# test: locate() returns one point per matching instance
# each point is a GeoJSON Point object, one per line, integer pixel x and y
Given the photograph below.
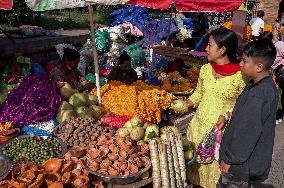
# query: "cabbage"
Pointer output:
{"type": "Point", "coordinates": [97, 112]}
{"type": "Point", "coordinates": [83, 111]}
{"type": "Point", "coordinates": [93, 99]}
{"type": "Point", "coordinates": [78, 99]}
{"type": "Point", "coordinates": [137, 133]}
{"type": "Point", "coordinates": [65, 106]}
{"type": "Point", "coordinates": [66, 91]}
{"type": "Point", "coordinates": [123, 132]}
{"type": "Point", "coordinates": [136, 121]}
{"type": "Point", "coordinates": [2, 97]}
{"type": "Point", "coordinates": [66, 114]}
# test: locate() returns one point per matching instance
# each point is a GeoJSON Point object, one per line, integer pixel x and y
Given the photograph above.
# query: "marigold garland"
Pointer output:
{"type": "Point", "coordinates": [138, 99]}
{"type": "Point", "coordinates": [248, 31]}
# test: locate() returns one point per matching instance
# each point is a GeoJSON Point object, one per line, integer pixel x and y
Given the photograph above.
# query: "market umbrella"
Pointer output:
{"type": "Point", "coordinates": [6, 4]}
{"type": "Point", "coordinates": [180, 5]}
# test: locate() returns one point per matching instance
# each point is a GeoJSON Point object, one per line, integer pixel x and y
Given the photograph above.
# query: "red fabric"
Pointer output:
{"type": "Point", "coordinates": [6, 4]}
{"type": "Point", "coordinates": [190, 5]}
{"type": "Point", "coordinates": [226, 69]}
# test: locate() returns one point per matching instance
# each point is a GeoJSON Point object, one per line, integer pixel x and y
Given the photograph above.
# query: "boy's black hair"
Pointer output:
{"type": "Point", "coordinates": [263, 51]}
{"type": "Point", "coordinates": [260, 14]}
{"type": "Point", "coordinates": [123, 57]}
{"type": "Point", "coordinates": [266, 35]}
{"type": "Point", "coordinates": [70, 54]}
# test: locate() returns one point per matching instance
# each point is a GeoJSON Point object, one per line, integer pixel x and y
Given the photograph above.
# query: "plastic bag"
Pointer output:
{"type": "Point", "coordinates": [136, 53]}
{"type": "Point", "coordinates": [102, 40]}
{"type": "Point", "coordinates": [40, 129]}
{"type": "Point", "coordinates": [208, 149]}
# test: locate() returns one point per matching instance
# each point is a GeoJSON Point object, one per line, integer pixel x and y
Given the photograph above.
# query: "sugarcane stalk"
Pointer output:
{"type": "Point", "coordinates": [164, 165]}
{"type": "Point", "coordinates": [156, 175]}
{"type": "Point", "coordinates": [175, 159]}
{"type": "Point", "coordinates": [171, 165]}
{"type": "Point", "coordinates": [181, 159]}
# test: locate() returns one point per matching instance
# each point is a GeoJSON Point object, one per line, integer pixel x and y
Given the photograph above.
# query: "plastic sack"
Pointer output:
{"type": "Point", "coordinates": [116, 121]}
{"type": "Point", "coordinates": [208, 149]}
{"type": "Point", "coordinates": [36, 68]}
{"type": "Point", "coordinates": [136, 53]}
{"type": "Point", "coordinates": [102, 40]}
{"type": "Point", "coordinates": [40, 129]}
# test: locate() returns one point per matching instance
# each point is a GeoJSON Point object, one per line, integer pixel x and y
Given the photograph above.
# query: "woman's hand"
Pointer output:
{"type": "Point", "coordinates": [222, 120]}
{"type": "Point", "coordinates": [224, 167]}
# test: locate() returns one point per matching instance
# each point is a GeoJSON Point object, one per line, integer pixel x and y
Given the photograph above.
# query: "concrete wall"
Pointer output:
{"type": "Point", "coordinates": [270, 8]}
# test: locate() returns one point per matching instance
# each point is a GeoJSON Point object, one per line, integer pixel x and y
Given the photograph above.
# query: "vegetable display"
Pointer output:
{"type": "Point", "coordinates": [33, 149]}
{"type": "Point", "coordinates": [81, 131]}
{"type": "Point", "coordinates": [138, 99]}
{"type": "Point", "coordinates": [35, 100]}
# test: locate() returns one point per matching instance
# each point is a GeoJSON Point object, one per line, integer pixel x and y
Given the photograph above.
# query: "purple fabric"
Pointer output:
{"type": "Point", "coordinates": [35, 100]}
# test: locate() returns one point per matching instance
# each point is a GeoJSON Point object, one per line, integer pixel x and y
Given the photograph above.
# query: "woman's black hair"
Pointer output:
{"type": "Point", "coordinates": [123, 57]}
{"type": "Point", "coordinates": [228, 39]}
{"type": "Point", "coordinates": [70, 54]}
{"type": "Point", "coordinates": [260, 14]}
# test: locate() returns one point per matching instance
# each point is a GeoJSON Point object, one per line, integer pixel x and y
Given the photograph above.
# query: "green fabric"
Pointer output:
{"type": "Point", "coordinates": [102, 40]}
{"type": "Point", "coordinates": [136, 53]}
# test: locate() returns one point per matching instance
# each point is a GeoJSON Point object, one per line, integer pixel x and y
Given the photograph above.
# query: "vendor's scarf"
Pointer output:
{"type": "Point", "coordinates": [226, 69]}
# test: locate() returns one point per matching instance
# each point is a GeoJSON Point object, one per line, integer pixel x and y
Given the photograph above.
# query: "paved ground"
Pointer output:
{"type": "Point", "coordinates": [276, 176]}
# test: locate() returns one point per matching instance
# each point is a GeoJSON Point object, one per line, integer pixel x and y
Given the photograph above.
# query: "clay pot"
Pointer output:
{"type": "Point", "coordinates": [27, 176]}
{"type": "Point", "coordinates": [52, 165]}
{"type": "Point", "coordinates": [105, 164]}
{"type": "Point", "coordinates": [8, 135]}
{"type": "Point", "coordinates": [119, 140]}
{"type": "Point", "coordinates": [78, 151]}
{"type": "Point", "coordinates": [56, 185]}
{"type": "Point", "coordinates": [66, 178]}
{"type": "Point", "coordinates": [18, 184]}
{"type": "Point", "coordinates": [121, 159]}
{"type": "Point", "coordinates": [29, 166]}
{"type": "Point", "coordinates": [125, 172]}
{"type": "Point", "coordinates": [81, 182]}
{"type": "Point", "coordinates": [100, 185]}
{"type": "Point", "coordinates": [38, 182]}
{"type": "Point", "coordinates": [67, 166]}
{"type": "Point", "coordinates": [52, 178]}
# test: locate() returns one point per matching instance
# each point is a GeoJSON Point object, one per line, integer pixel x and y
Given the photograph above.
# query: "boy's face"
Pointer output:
{"type": "Point", "coordinates": [250, 68]}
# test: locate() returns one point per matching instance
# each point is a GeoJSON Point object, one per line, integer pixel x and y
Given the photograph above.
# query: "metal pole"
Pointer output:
{"type": "Point", "coordinates": [95, 53]}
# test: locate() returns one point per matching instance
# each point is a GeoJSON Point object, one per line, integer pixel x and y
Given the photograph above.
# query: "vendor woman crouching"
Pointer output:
{"type": "Point", "coordinates": [68, 72]}
{"type": "Point", "coordinates": [122, 71]}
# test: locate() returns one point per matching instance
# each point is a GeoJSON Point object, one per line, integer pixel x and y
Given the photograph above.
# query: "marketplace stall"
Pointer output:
{"type": "Point", "coordinates": [88, 144]}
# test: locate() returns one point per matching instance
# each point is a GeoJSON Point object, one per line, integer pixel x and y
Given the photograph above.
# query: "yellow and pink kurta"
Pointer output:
{"type": "Point", "coordinates": [213, 97]}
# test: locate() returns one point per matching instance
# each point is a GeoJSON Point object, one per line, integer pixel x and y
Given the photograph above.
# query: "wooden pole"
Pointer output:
{"type": "Point", "coordinates": [95, 53]}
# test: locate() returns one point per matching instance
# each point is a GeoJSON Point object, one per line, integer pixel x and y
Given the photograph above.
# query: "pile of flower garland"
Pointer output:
{"type": "Point", "coordinates": [138, 99]}
{"type": "Point", "coordinates": [174, 82]}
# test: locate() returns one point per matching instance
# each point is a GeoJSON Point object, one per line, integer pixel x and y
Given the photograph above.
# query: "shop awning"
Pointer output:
{"type": "Point", "coordinates": [191, 5]}
{"type": "Point", "coordinates": [6, 4]}
{"type": "Point", "coordinates": [180, 5]}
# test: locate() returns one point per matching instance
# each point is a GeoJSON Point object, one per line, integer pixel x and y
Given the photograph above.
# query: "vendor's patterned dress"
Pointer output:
{"type": "Point", "coordinates": [213, 97]}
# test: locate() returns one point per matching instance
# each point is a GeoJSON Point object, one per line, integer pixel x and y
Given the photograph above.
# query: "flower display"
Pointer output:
{"type": "Point", "coordinates": [175, 82]}
{"type": "Point", "coordinates": [138, 99]}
